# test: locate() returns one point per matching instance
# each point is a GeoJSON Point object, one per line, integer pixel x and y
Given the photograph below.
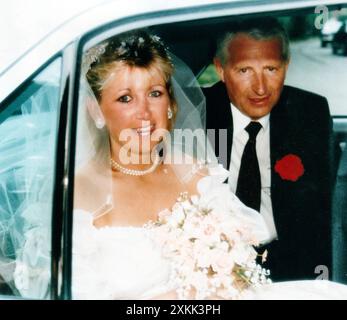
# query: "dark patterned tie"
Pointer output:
{"type": "Point", "coordinates": [249, 184]}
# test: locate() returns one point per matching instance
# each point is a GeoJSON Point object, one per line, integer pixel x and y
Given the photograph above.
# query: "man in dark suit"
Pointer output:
{"type": "Point", "coordinates": [279, 147]}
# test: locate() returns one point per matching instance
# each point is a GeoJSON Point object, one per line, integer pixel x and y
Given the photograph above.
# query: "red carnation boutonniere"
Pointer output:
{"type": "Point", "coordinates": [290, 167]}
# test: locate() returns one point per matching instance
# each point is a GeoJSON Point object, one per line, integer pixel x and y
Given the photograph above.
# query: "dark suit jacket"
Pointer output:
{"type": "Point", "coordinates": [300, 124]}
{"type": "Point", "coordinates": [340, 223]}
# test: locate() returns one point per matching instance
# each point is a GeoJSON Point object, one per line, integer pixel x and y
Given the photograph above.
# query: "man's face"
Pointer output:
{"type": "Point", "coordinates": [253, 74]}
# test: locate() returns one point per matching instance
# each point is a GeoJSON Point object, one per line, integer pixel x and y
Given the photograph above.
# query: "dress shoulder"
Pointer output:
{"type": "Point", "coordinates": [217, 195]}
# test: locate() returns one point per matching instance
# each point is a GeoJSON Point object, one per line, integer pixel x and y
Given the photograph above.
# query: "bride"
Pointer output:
{"type": "Point", "coordinates": [141, 156]}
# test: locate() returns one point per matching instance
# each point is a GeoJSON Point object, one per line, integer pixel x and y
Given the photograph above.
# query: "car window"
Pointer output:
{"type": "Point", "coordinates": [28, 127]}
{"type": "Point", "coordinates": [314, 68]}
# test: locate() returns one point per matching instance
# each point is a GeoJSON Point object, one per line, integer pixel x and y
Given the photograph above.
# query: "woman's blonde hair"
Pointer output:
{"type": "Point", "coordinates": [134, 49]}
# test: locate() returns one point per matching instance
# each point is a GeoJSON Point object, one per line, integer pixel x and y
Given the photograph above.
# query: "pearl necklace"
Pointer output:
{"type": "Point", "coordinates": [132, 172]}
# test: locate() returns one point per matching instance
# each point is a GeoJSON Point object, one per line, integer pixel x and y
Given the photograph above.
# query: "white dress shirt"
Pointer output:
{"type": "Point", "coordinates": [240, 138]}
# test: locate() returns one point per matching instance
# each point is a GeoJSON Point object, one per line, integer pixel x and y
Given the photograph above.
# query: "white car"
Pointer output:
{"type": "Point", "coordinates": [328, 31]}
{"type": "Point", "coordinates": [39, 81]}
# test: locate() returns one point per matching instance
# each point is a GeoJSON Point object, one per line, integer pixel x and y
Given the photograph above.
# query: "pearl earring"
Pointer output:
{"type": "Point", "coordinates": [99, 123]}
{"type": "Point", "coordinates": [169, 113]}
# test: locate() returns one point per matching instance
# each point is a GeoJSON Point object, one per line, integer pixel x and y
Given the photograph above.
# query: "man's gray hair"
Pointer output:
{"type": "Point", "coordinates": [259, 29]}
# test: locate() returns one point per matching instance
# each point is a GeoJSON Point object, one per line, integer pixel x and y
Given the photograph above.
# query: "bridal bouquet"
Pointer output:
{"type": "Point", "coordinates": [211, 245]}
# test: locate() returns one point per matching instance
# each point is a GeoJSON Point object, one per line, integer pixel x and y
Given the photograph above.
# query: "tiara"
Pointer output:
{"type": "Point", "coordinates": [137, 41]}
{"type": "Point", "coordinates": [92, 55]}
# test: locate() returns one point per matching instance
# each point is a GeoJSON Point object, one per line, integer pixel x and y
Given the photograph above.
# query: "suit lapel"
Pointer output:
{"type": "Point", "coordinates": [282, 126]}
{"type": "Point", "coordinates": [224, 120]}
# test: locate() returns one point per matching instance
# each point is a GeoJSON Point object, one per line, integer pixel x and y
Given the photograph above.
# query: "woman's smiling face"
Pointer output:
{"type": "Point", "coordinates": [135, 102]}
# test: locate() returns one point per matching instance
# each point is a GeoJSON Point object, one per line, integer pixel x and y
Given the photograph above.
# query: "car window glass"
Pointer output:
{"type": "Point", "coordinates": [28, 125]}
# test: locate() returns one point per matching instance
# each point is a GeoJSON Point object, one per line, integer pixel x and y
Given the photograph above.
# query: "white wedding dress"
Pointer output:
{"type": "Point", "coordinates": [125, 262]}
